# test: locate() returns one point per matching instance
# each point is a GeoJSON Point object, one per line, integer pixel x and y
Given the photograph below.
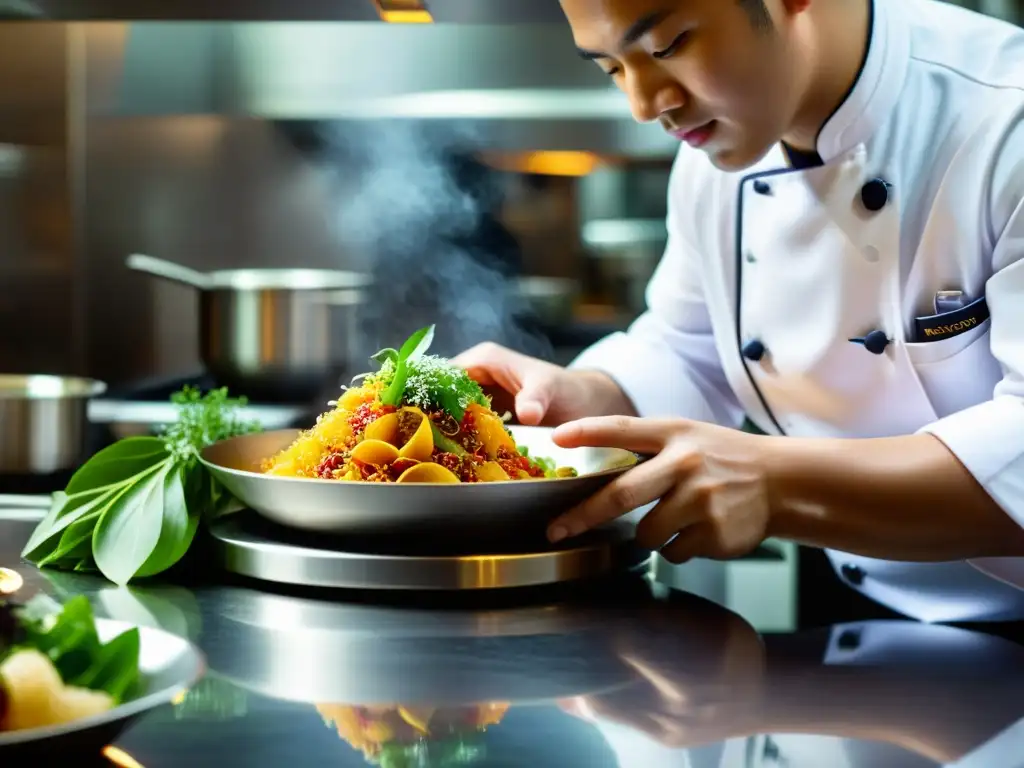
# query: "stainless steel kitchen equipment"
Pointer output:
{"type": "Point", "coordinates": [551, 299]}
{"type": "Point", "coordinates": [267, 332]}
{"type": "Point", "coordinates": [475, 511]}
{"type": "Point", "coordinates": [252, 547]}
{"type": "Point", "coordinates": [43, 421]}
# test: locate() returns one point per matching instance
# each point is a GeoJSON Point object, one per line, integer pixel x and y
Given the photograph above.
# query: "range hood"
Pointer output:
{"type": "Point", "coordinates": [441, 11]}
{"type": "Point", "coordinates": [520, 84]}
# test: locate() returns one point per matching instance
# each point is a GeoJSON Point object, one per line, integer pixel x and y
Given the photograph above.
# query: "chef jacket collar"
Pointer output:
{"type": "Point", "coordinates": [875, 94]}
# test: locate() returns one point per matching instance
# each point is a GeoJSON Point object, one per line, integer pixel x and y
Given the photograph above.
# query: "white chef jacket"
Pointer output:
{"type": "Point", "coordinates": [921, 191]}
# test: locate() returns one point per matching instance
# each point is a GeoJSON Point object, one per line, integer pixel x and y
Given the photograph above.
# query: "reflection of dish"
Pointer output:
{"type": "Point", "coordinates": [169, 665]}
{"type": "Point", "coordinates": [401, 735]}
{"type": "Point", "coordinates": [313, 652]}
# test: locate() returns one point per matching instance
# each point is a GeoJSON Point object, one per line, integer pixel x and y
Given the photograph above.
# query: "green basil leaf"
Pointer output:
{"type": "Point", "coordinates": [114, 667]}
{"type": "Point", "coordinates": [68, 638]}
{"type": "Point", "coordinates": [385, 355]}
{"type": "Point", "coordinates": [178, 528]}
{"type": "Point", "coordinates": [65, 512]}
{"type": "Point", "coordinates": [129, 529]}
{"type": "Point", "coordinates": [396, 389]}
{"type": "Point", "coordinates": [417, 344]}
{"type": "Point", "coordinates": [118, 462]}
{"type": "Point", "coordinates": [449, 402]}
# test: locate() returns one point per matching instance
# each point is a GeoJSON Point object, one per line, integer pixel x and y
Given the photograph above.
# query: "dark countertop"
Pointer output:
{"type": "Point", "coordinates": [617, 674]}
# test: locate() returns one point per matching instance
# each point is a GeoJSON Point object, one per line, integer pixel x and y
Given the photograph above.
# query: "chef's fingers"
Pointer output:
{"type": "Point", "coordinates": [693, 541]}
{"type": "Point", "coordinates": [671, 515]}
{"type": "Point", "coordinates": [639, 486]}
{"type": "Point", "coordinates": [632, 434]}
{"type": "Point", "coordinates": [489, 364]}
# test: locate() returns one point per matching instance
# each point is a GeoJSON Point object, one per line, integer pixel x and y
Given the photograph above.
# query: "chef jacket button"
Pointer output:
{"type": "Point", "coordinates": [762, 187]}
{"type": "Point", "coordinates": [754, 350]}
{"type": "Point", "coordinates": [875, 194]}
{"type": "Point", "coordinates": [875, 342]}
{"type": "Point", "coordinates": [848, 640]}
{"type": "Point", "coordinates": [853, 574]}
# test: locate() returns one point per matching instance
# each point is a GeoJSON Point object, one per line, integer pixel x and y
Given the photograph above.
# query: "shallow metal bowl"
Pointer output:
{"type": "Point", "coordinates": [169, 665]}
{"type": "Point", "coordinates": [357, 508]}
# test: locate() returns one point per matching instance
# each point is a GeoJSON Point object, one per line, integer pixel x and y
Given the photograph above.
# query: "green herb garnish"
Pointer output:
{"type": "Point", "coordinates": [412, 377]}
{"type": "Point", "coordinates": [68, 638]}
{"type": "Point", "coordinates": [132, 510]}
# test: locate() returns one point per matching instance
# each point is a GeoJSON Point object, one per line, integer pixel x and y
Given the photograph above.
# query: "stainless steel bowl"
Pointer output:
{"type": "Point", "coordinates": [356, 508]}
{"type": "Point", "coordinates": [43, 422]}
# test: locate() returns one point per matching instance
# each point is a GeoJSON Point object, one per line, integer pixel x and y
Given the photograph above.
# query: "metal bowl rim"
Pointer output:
{"type": "Point", "coordinates": [286, 280]}
{"type": "Point", "coordinates": [17, 386]}
{"type": "Point", "coordinates": [261, 477]}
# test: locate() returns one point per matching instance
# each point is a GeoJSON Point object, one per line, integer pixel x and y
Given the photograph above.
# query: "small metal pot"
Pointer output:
{"type": "Point", "coordinates": [266, 333]}
{"type": "Point", "coordinates": [43, 422]}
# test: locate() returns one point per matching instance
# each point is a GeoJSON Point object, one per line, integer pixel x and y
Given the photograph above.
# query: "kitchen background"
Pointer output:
{"type": "Point", "coordinates": [481, 173]}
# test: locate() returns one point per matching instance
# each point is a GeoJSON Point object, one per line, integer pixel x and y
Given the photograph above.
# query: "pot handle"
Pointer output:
{"type": "Point", "coordinates": [167, 270]}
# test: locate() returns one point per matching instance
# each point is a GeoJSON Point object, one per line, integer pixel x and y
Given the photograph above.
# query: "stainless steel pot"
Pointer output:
{"type": "Point", "coordinates": [267, 333]}
{"type": "Point", "coordinates": [43, 422]}
{"type": "Point", "coordinates": [551, 299]}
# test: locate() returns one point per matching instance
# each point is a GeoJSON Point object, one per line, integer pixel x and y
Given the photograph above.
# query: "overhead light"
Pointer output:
{"type": "Point", "coordinates": [548, 163]}
{"type": "Point", "coordinates": [403, 12]}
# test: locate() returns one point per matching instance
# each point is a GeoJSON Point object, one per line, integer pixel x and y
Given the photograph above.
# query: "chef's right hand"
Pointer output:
{"type": "Point", "coordinates": [543, 393]}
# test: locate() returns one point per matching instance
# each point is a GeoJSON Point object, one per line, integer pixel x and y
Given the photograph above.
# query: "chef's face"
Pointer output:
{"type": "Point", "coordinates": [715, 73]}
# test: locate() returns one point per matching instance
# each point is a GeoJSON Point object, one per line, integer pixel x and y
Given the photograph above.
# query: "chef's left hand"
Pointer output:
{"type": "Point", "coordinates": [711, 482]}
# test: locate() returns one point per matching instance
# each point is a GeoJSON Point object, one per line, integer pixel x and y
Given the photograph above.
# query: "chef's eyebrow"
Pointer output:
{"type": "Point", "coordinates": [637, 30]}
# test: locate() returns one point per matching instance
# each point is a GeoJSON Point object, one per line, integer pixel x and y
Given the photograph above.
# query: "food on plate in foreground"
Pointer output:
{"type": "Point", "coordinates": [393, 736]}
{"type": "Point", "coordinates": [54, 668]}
{"type": "Point", "coordinates": [419, 419]}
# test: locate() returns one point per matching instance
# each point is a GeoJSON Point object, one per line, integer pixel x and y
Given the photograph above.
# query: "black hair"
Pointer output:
{"type": "Point", "coordinates": [758, 13]}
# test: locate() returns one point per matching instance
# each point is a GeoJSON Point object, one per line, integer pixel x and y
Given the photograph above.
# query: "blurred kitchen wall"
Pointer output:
{"type": "Point", "coordinates": [171, 138]}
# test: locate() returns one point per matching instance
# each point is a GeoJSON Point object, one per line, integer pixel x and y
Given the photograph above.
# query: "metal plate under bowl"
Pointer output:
{"type": "Point", "coordinates": [254, 547]}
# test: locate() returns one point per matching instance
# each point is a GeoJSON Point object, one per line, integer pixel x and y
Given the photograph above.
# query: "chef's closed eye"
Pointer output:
{"type": "Point", "coordinates": [674, 47]}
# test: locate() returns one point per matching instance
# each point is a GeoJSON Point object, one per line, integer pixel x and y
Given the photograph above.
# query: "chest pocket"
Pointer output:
{"type": "Point", "coordinates": [957, 372]}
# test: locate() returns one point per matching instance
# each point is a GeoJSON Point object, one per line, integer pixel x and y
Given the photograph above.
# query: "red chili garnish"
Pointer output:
{"type": "Point", "coordinates": [329, 465]}
{"type": "Point", "coordinates": [398, 466]}
{"type": "Point", "coordinates": [366, 414]}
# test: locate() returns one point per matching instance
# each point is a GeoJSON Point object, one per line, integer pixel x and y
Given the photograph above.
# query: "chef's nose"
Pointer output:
{"type": "Point", "coordinates": [652, 95]}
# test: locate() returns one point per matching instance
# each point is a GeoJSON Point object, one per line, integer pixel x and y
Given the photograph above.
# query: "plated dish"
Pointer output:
{"type": "Point", "coordinates": [418, 419]}
{"type": "Point", "coordinates": [414, 446]}
{"type": "Point", "coordinates": [68, 680]}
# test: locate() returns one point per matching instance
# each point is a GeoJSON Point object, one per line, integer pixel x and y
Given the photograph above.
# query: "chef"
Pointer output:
{"type": "Point", "coordinates": [844, 269]}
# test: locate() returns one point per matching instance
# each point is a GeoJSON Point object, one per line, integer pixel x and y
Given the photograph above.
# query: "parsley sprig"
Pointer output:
{"type": "Point", "coordinates": [132, 510]}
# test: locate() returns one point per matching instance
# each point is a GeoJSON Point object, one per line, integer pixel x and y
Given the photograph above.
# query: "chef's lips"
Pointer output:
{"type": "Point", "coordinates": [420, 210]}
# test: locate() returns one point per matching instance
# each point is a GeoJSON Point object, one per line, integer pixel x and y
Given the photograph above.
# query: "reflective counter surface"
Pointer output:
{"type": "Point", "coordinates": [617, 674]}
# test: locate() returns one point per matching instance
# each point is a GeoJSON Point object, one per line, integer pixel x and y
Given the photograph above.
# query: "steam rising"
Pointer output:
{"type": "Point", "coordinates": [412, 219]}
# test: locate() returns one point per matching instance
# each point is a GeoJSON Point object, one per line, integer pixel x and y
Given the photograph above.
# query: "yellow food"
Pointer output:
{"type": "Point", "coordinates": [37, 697]}
{"type": "Point", "coordinates": [419, 419]}
{"type": "Point", "coordinates": [427, 472]}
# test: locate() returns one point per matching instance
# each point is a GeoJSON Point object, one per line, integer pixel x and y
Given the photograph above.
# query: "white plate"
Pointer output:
{"type": "Point", "coordinates": [169, 666]}
{"type": "Point", "coordinates": [356, 508]}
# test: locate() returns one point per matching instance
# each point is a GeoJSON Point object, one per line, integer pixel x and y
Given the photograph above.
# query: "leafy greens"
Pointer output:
{"type": "Point", "coordinates": [411, 376]}
{"type": "Point", "coordinates": [68, 638]}
{"type": "Point", "coordinates": [133, 509]}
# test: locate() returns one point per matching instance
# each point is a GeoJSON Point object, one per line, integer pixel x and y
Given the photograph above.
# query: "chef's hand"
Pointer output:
{"type": "Point", "coordinates": [543, 393]}
{"type": "Point", "coordinates": [710, 480]}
